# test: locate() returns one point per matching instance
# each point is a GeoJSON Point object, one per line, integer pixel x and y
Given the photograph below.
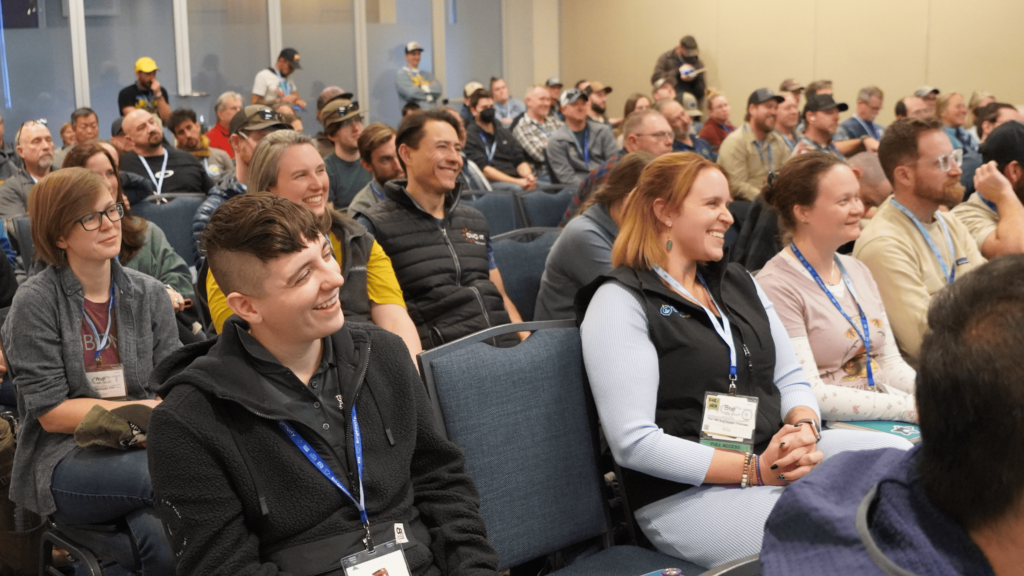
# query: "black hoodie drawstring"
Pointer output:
{"type": "Point", "coordinates": [383, 419]}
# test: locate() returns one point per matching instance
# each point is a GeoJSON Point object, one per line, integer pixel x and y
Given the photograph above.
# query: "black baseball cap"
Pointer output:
{"type": "Point", "coordinates": [115, 128]}
{"type": "Point", "coordinates": [1004, 145]}
{"type": "Point", "coordinates": [292, 56]}
{"type": "Point", "coordinates": [553, 82]}
{"type": "Point", "coordinates": [822, 102]}
{"type": "Point", "coordinates": [762, 95]}
{"type": "Point", "coordinates": [257, 117]}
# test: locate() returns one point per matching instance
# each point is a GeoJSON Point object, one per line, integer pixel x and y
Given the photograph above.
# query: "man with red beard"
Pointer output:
{"type": "Point", "coordinates": [911, 247]}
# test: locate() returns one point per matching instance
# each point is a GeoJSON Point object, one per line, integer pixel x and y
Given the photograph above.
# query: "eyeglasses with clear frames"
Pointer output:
{"type": "Point", "coordinates": [93, 220]}
{"type": "Point", "coordinates": [946, 161]}
{"type": "Point", "coordinates": [660, 135]}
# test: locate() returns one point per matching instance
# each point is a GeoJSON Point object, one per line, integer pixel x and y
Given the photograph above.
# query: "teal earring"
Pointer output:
{"type": "Point", "coordinates": [668, 245]}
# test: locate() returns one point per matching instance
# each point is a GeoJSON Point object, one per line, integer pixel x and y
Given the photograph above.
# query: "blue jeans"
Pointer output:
{"type": "Point", "coordinates": [98, 486]}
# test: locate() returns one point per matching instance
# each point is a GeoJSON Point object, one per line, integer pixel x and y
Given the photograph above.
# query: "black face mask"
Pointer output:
{"type": "Point", "coordinates": [487, 116]}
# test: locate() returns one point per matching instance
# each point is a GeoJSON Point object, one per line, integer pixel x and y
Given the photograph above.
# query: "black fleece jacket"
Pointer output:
{"type": "Point", "coordinates": [231, 516]}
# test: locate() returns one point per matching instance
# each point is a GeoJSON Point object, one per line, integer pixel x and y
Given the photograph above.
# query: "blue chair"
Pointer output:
{"type": "Point", "coordinates": [520, 256]}
{"type": "Point", "coordinates": [544, 208]}
{"type": "Point", "coordinates": [522, 420]}
{"type": "Point", "coordinates": [173, 213]}
{"type": "Point", "coordinates": [498, 207]}
{"type": "Point", "coordinates": [21, 230]}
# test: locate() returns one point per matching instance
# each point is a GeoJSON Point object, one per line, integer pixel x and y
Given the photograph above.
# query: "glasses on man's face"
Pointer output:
{"type": "Point", "coordinates": [93, 220]}
{"type": "Point", "coordinates": [947, 161]}
{"type": "Point", "coordinates": [660, 135]}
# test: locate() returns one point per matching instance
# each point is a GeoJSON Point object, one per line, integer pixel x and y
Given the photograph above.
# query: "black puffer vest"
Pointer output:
{"type": "Point", "coordinates": [442, 266]}
{"type": "Point", "coordinates": [693, 359]}
{"type": "Point", "coordinates": [356, 243]}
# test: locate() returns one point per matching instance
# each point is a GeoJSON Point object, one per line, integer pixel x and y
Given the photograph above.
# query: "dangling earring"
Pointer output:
{"type": "Point", "coordinates": [668, 245]}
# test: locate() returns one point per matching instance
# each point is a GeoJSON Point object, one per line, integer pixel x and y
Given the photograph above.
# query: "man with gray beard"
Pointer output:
{"type": "Point", "coordinates": [34, 145]}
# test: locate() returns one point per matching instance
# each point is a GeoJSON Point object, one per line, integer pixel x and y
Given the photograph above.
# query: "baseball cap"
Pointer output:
{"type": "Point", "coordinates": [339, 110]}
{"type": "Point", "coordinates": [690, 105]}
{"type": "Point", "coordinates": [257, 117]}
{"type": "Point", "coordinates": [790, 85]}
{"type": "Point", "coordinates": [472, 87]}
{"type": "Point", "coordinates": [762, 95]}
{"type": "Point", "coordinates": [328, 94]}
{"type": "Point", "coordinates": [553, 82]}
{"type": "Point", "coordinates": [821, 102]}
{"type": "Point", "coordinates": [596, 86]}
{"type": "Point", "coordinates": [413, 47]}
{"type": "Point", "coordinates": [690, 43]}
{"type": "Point", "coordinates": [1004, 144]}
{"type": "Point", "coordinates": [292, 56]}
{"type": "Point", "coordinates": [925, 90]}
{"type": "Point", "coordinates": [658, 84]}
{"type": "Point", "coordinates": [571, 95]}
{"type": "Point", "coordinates": [115, 128]}
{"type": "Point", "coordinates": [146, 64]}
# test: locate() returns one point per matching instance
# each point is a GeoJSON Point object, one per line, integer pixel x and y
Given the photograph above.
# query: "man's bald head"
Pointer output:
{"type": "Point", "coordinates": [538, 103]}
{"type": "Point", "coordinates": [141, 129]}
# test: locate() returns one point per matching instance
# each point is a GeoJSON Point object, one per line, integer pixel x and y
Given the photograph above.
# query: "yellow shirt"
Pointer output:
{"type": "Point", "coordinates": [381, 284]}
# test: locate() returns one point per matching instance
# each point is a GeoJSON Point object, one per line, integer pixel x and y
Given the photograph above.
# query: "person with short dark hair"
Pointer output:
{"type": "Point", "coordinates": [494, 149]}
{"type": "Point", "coordinates": [952, 504]}
{"type": "Point", "coordinates": [994, 115]}
{"type": "Point", "coordinates": [410, 107]}
{"type": "Point", "coordinates": [274, 86]}
{"type": "Point", "coordinates": [35, 147]}
{"type": "Point", "coordinates": [378, 156]}
{"type": "Point", "coordinates": [146, 93]}
{"type": "Point", "coordinates": [818, 87]}
{"type": "Point", "coordinates": [343, 123]}
{"type": "Point", "coordinates": [228, 104]}
{"type": "Point", "coordinates": [506, 108]}
{"type": "Point", "coordinates": [860, 132]}
{"type": "Point", "coordinates": [86, 125]}
{"type": "Point", "coordinates": [683, 68]}
{"type": "Point", "coordinates": [751, 153]}
{"type": "Point", "coordinates": [787, 119]}
{"type": "Point", "coordinates": [581, 145]}
{"type": "Point", "coordinates": [911, 248]}
{"type": "Point", "coordinates": [81, 339]}
{"type": "Point", "coordinates": [912, 107]}
{"type": "Point", "coordinates": [821, 120]}
{"type": "Point", "coordinates": [471, 176]}
{"type": "Point", "coordinates": [117, 137]}
{"type": "Point", "coordinates": [189, 137]}
{"type": "Point", "coordinates": [432, 238]}
{"type": "Point", "coordinates": [598, 97]}
{"type": "Point", "coordinates": [290, 379]}
{"type": "Point", "coordinates": [415, 85]}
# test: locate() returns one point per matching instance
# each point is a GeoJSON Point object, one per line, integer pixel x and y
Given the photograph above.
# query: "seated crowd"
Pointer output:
{"type": "Point", "coordinates": [285, 426]}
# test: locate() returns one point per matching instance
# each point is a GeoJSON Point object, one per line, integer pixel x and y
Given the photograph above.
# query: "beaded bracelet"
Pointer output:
{"type": "Point", "coordinates": [757, 465]}
{"type": "Point", "coordinates": [745, 481]}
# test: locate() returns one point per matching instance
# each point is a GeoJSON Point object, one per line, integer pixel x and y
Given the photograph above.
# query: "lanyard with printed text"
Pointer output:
{"type": "Point", "coordinates": [104, 342]}
{"type": "Point", "coordinates": [490, 151]}
{"type": "Point", "coordinates": [721, 326]}
{"type": "Point", "coordinates": [948, 271]}
{"type": "Point", "coordinates": [163, 172]}
{"type": "Point", "coordinates": [866, 335]}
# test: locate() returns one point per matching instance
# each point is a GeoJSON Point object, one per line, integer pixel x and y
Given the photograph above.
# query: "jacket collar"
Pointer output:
{"type": "Point", "coordinates": [396, 190]}
{"type": "Point", "coordinates": [713, 273]}
{"type": "Point", "coordinates": [70, 285]}
{"type": "Point", "coordinates": [599, 215]}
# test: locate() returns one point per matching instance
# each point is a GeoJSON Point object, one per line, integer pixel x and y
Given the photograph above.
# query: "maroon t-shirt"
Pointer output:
{"type": "Point", "coordinates": [108, 357]}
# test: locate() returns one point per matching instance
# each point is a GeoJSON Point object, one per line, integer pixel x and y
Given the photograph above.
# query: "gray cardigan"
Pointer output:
{"type": "Point", "coordinates": [582, 252]}
{"type": "Point", "coordinates": [42, 338]}
{"type": "Point", "coordinates": [564, 156]}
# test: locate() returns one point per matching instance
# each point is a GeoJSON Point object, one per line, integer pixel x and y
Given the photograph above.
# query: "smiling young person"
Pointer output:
{"type": "Point", "coordinates": [827, 300]}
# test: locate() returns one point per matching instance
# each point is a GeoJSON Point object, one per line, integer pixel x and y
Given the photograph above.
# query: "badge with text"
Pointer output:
{"type": "Point", "coordinates": [729, 421]}
{"type": "Point", "coordinates": [385, 560]}
{"type": "Point", "coordinates": [108, 382]}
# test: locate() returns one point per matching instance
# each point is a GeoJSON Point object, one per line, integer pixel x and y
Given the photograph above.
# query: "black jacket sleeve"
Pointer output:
{"type": "Point", "coordinates": [475, 147]}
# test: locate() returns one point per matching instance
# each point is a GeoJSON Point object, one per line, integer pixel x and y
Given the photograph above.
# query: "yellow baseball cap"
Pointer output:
{"type": "Point", "coordinates": [146, 64]}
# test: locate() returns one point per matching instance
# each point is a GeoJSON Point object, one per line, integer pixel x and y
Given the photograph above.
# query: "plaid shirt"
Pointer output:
{"type": "Point", "coordinates": [591, 184]}
{"type": "Point", "coordinates": [533, 136]}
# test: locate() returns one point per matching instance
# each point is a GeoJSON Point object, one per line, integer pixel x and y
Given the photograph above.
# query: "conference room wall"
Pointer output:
{"type": "Point", "coordinates": [749, 44]}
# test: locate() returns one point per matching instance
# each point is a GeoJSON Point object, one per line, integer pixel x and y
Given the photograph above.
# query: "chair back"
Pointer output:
{"type": "Point", "coordinates": [21, 226]}
{"type": "Point", "coordinates": [521, 418]}
{"type": "Point", "coordinates": [542, 208]}
{"type": "Point", "coordinates": [173, 213]}
{"type": "Point", "coordinates": [520, 256]}
{"type": "Point", "coordinates": [497, 206]}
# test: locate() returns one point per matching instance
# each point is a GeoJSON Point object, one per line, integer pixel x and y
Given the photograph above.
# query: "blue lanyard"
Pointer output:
{"type": "Point", "coordinates": [947, 271]}
{"type": "Point", "coordinates": [760, 150]}
{"type": "Point", "coordinates": [987, 203]}
{"type": "Point", "coordinates": [376, 192]}
{"type": "Point", "coordinates": [163, 172]}
{"type": "Point", "coordinates": [324, 469]}
{"type": "Point", "coordinates": [494, 146]}
{"type": "Point", "coordinates": [585, 152]}
{"type": "Point", "coordinates": [866, 335]}
{"type": "Point", "coordinates": [790, 143]}
{"type": "Point", "coordinates": [819, 148]}
{"type": "Point", "coordinates": [726, 128]}
{"type": "Point", "coordinates": [282, 83]}
{"type": "Point", "coordinates": [722, 326]}
{"type": "Point", "coordinates": [868, 126]}
{"type": "Point", "coordinates": [104, 342]}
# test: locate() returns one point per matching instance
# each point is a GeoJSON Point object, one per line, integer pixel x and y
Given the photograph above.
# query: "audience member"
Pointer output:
{"type": "Point", "coordinates": [471, 175]}
{"type": "Point", "coordinates": [598, 96]}
{"type": "Point", "coordinates": [343, 123]}
{"type": "Point", "coordinates": [506, 109]}
{"type": "Point", "coordinates": [534, 128]}
{"type": "Point", "coordinates": [10, 162]}
{"type": "Point", "coordinates": [87, 131]}
{"type": "Point", "coordinates": [245, 131]}
{"type": "Point", "coordinates": [323, 143]}
{"type": "Point", "coordinates": [790, 86]}
{"type": "Point", "coordinates": [189, 137]}
{"type": "Point", "coordinates": [860, 132]}
{"type": "Point", "coordinates": [581, 145]}
{"type": "Point", "coordinates": [415, 85]}
{"type": "Point", "coordinates": [467, 92]}
{"type": "Point", "coordinates": [117, 137]}
{"type": "Point", "coordinates": [829, 303]}
{"type": "Point", "coordinates": [432, 238]}
{"type": "Point", "coordinates": [952, 504]}
{"type": "Point", "coordinates": [911, 248]}
{"type": "Point", "coordinates": [693, 110]}
{"type": "Point", "coordinates": [663, 89]}
{"type": "Point", "coordinates": [228, 104]}
{"type": "Point", "coordinates": [294, 121]}
{"type": "Point", "coordinates": [35, 147]}
{"type": "Point", "coordinates": [554, 86]}
{"type": "Point", "coordinates": [818, 87]}
{"type": "Point", "coordinates": [135, 188]}
{"type": "Point", "coordinates": [912, 107]}
{"type": "Point", "coordinates": [951, 110]}
{"type": "Point", "coordinates": [978, 101]}
{"type": "Point", "coordinates": [717, 126]}
{"type": "Point", "coordinates": [378, 156]}
{"type": "Point", "coordinates": [494, 148]}
{"type": "Point", "coordinates": [283, 109]}
{"type": "Point", "coordinates": [640, 354]}
{"type": "Point", "coordinates": [681, 122]}
{"type": "Point", "coordinates": [292, 361]}
{"type": "Point", "coordinates": [929, 95]}
{"type": "Point", "coordinates": [821, 117]}
{"type": "Point", "coordinates": [874, 186]}
{"type": "Point", "coordinates": [273, 86]}
{"type": "Point", "coordinates": [146, 93]}
{"type": "Point", "coordinates": [750, 154]}
{"type": "Point", "coordinates": [994, 215]}
{"type": "Point", "coordinates": [170, 170]}
{"type": "Point", "coordinates": [787, 117]}
{"type": "Point", "coordinates": [82, 338]}
{"type": "Point", "coordinates": [410, 107]}
{"type": "Point", "coordinates": [683, 68]}
{"type": "Point", "coordinates": [635, 103]}
{"type": "Point", "coordinates": [583, 251]}
{"type": "Point", "coordinates": [994, 115]}
{"type": "Point", "coordinates": [67, 134]}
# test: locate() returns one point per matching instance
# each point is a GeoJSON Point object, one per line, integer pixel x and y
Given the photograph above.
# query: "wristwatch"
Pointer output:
{"type": "Point", "coordinates": [814, 424]}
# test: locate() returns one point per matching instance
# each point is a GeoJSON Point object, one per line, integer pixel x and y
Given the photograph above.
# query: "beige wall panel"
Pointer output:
{"type": "Point", "coordinates": [546, 26]}
{"type": "Point", "coordinates": [517, 26]}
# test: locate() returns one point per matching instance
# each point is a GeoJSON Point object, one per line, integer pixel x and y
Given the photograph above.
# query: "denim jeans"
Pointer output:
{"type": "Point", "coordinates": [97, 486]}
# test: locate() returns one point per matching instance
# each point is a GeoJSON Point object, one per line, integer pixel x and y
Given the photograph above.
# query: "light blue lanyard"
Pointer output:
{"type": "Point", "coordinates": [790, 143]}
{"type": "Point", "coordinates": [376, 192]}
{"type": "Point", "coordinates": [104, 342]}
{"type": "Point", "coordinates": [868, 126]}
{"type": "Point", "coordinates": [722, 326]}
{"type": "Point", "coordinates": [948, 271]}
{"type": "Point", "coordinates": [494, 146]}
{"type": "Point", "coordinates": [163, 172]}
{"type": "Point", "coordinates": [282, 83]}
{"type": "Point", "coordinates": [819, 148]}
{"type": "Point", "coordinates": [760, 150]}
{"type": "Point", "coordinates": [866, 335]}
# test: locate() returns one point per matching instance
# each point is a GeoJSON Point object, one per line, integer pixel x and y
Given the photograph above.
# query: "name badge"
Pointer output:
{"type": "Point", "coordinates": [385, 560]}
{"type": "Point", "coordinates": [109, 383]}
{"type": "Point", "coordinates": [729, 421]}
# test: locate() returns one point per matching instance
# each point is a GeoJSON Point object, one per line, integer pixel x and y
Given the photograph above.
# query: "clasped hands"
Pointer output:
{"type": "Point", "coordinates": [792, 453]}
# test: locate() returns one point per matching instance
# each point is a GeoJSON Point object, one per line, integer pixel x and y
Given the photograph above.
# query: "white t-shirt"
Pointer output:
{"type": "Point", "coordinates": [266, 84]}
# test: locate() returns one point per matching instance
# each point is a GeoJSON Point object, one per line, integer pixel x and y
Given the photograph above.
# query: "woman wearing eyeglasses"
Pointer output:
{"type": "Point", "coordinates": [85, 332]}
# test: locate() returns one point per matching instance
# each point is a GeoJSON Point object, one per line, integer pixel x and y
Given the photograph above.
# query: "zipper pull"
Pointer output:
{"type": "Point", "coordinates": [750, 363]}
